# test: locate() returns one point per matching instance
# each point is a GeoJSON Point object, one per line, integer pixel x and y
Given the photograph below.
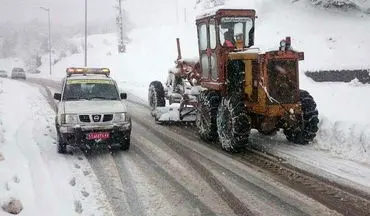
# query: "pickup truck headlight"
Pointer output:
{"type": "Point", "coordinates": [120, 117]}
{"type": "Point", "coordinates": [69, 118]}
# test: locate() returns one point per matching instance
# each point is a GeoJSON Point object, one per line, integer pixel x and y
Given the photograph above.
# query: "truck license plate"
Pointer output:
{"type": "Point", "coordinates": [98, 135]}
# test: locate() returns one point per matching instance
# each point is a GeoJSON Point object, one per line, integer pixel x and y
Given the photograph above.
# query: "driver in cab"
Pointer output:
{"type": "Point", "coordinates": [229, 39]}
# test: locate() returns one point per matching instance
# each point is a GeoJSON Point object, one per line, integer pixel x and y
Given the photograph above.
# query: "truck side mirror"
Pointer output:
{"type": "Point", "coordinates": [57, 96]}
{"type": "Point", "coordinates": [123, 96]}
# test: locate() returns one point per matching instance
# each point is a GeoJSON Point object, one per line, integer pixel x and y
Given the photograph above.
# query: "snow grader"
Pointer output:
{"type": "Point", "coordinates": [233, 88]}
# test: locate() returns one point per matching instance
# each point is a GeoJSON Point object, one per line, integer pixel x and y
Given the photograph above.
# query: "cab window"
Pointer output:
{"type": "Point", "coordinates": [203, 36]}
{"type": "Point", "coordinates": [212, 36]}
{"type": "Point", "coordinates": [235, 30]}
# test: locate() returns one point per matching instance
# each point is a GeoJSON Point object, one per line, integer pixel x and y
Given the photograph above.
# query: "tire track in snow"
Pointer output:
{"type": "Point", "coordinates": [196, 205]}
{"type": "Point", "coordinates": [235, 203]}
{"type": "Point", "coordinates": [127, 181]}
{"type": "Point", "coordinates": [139, 186]}
{"type": "Point", "coordinates": [107, 172]}
{"type": "Point", "coordinates": [177, 183]}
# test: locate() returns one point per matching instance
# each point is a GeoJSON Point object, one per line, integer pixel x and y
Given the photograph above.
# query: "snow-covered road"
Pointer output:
{"type": "Point", "coordinates": [164, 173]}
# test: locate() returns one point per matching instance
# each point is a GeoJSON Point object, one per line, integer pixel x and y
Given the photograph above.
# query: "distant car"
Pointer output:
{"type": "Point", "coordinates": [3, 74]}
{"type": "Point", "coordinates": [18, 73]}
{"type": "Point", "coordinates": [91, 111]}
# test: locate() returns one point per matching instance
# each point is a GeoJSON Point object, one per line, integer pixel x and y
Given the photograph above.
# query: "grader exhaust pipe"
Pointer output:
{"type": "Point", "coordinates": [178, 49]}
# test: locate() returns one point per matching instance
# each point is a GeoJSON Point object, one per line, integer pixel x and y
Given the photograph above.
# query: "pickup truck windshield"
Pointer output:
{"type": "Point", "coordinates": [90, 90]}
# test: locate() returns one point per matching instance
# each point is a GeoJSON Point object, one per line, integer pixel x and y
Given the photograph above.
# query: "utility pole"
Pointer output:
{"type": "Point", "coordinates": [49, 40]}
{"type": "Point", "coordinates": [121, 44]}
{"type": "Point", "coordinates": [85, 33]}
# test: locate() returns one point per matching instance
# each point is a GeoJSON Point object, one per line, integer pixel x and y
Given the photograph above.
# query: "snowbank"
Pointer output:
{"type": "Point", "coordinates": [31, 170]}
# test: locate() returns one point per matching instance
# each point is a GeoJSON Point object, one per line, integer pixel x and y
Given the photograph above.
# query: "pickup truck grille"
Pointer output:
{"type": "Point", "coordinates": [107, 118]}
{"type": "Point", "coordinates": [84, 118]}
{"type": "Point", "coordinates": [96, 118]}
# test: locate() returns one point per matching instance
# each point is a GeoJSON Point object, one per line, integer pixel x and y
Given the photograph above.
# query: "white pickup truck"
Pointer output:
{"type": "Point", "coordinates": [91, 111]}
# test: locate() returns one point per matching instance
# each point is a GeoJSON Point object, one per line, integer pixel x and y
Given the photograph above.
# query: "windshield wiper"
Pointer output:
{"type": "Point", "coordinates": [75, 98]}
{"type": "Point", "coordinates": [71, 98]}
{"type": "Point", "coordinates": [103, 98]}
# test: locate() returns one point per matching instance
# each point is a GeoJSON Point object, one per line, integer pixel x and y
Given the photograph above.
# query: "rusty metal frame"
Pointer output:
{"type": "Point", "coordinates": [220, 51]}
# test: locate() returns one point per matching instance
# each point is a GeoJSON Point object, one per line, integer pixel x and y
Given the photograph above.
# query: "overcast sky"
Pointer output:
{"type": "Point", "coordinates": [72, 11]}
{"type": "Point", "coordinates": [62, 11]}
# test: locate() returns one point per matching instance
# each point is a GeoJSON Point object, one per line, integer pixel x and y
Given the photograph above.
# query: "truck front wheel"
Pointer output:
{"type": "Point", "coordinates": [61, 145]}
{"type": "Point", "coordinates": [307, 127]}
{"type": "Point", "coordinates": [233, 124]}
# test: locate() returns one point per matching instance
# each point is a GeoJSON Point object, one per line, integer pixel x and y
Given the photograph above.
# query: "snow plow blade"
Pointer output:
{"type": "Point", "coordinates": [173, 114]}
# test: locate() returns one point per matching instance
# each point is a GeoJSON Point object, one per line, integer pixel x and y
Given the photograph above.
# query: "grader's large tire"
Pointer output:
{"type": "Point", "coordinates": [308, 126]}
{"type": "Point", "coordinates": [206, 115]}
{"type": "Point", "coordinates": [233, 124]}
{"type": "Point", "coordinates": [156, 95]}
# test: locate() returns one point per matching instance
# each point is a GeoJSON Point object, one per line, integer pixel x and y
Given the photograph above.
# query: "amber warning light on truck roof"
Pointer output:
{"type": "Point", "coordinates": [85, 71]}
